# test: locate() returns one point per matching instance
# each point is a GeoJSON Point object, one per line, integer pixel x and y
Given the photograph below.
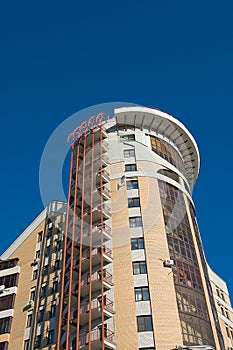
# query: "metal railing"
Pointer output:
{"type": "Point", "coordinates": [96, 335]}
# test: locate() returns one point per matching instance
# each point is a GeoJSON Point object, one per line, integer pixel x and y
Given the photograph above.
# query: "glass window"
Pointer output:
{"type": "Point", "coordinates": [43, 291]}
{"type": "Point", "coordinates": [137, 243]}
{"type": "Point", "coordinates": [53, 311]}
{"type": "Point", "coordinates": [139, 267]}
{"type": "Point", "coordinates": [39, 239]}
{"type": "Point", "coordinates": [7, 302]}
{"type": "Point", "coordinates": [133, 202]}
{"type": "Point", "coordinates": [4, 345]}
{"type": "Point", "coordinates": [127, 137]}
{"type": "Point", "coordinates": [38, 341]}
{"type": "Point", "coordinates": [132, 184]}
{"type": "Point", "coordinates": [135, 221]}
{"type": "Point", "coordinates": [144, 323]}
{"type": "Point", "coordinates": [29, 320]}
{"type": "Point", "coordinates": [142, 293]}
{"type": "Point", "coordinates": [41, 315]}
{"type": "Point", "coordinates": [35, 274]}
{"type": "Point", "coordinates": [130, 167]}
{"type": "Point", "coordinates": [51, 337]}
{"type": "Point", "coordinates": [55, 285]}
{"type": "Point", "coordinates": [5, 325]}
{"type": "Point", "coordinates": [129, 153]}
{"type": "Point", "coordinates": [26, 345]}
{"type": "Point", "coordinates": [32, 295]}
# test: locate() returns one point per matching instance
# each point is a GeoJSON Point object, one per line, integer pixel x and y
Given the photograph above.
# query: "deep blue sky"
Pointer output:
{"type": "Point", "coordinates": [58, 57]}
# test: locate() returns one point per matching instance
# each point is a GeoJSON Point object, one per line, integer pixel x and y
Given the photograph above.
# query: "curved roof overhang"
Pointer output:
{"type": "Point", "coordinates": [166, 126]}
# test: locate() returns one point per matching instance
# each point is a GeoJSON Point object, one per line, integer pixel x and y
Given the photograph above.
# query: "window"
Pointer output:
{"type": "Point", "coordinates": [38, 254]}
{"type": "Point", "coordinates": [29, 320]}
{"type": "Point", "coordinates": [26, 345]}
{"type": "Point", "coordinates": [132, 184]}
{"type": "Point", "coordinates": [144, 323]}
{"type": "Point", "coordinates": [32, 295]}
{"type": "Point", "coordinates": [9, 281]}
{"type": "Point", "coordinates": [142, 293]}
{"type": "Point", "coordinates": [55, 285]}
{"type": "Point", "coordinates": [35, 274]}
{"type": "Point", "coordinates": [130, 167]}
{"type": "Point", "coordinates": [43, 291]}
{"type": "Point", "coordinates": [53, 310]}
{"type": "Point", "coordinates": [41, 315]}
{"type": "Point", "coordinates": [5, 325]}
{"type": "Point", "coordinates": [46, 270]}
{"type": "Point", "coordinates": [38, 341]}
{"type": "Point", "coordinates": [137, 243]}
{"type": "Point", "coordinates": [51, 337]}
{"type": "Point", "coordinates": [127, 137]}
{"type": "Point", "coordinates": [139, 267]}
{"type": "Point", "coordinates": [7, 302]}
{"type": "Point", "coordinates": [135, 221]}
{"type": "Point", "coordinates": [129, 153]}
{"type": "Point", "coordinates": [4, 345]}
{"type": "Point", "coordinates": [133, 202]}
{"type": "Point", "coordinates": [39, 236]}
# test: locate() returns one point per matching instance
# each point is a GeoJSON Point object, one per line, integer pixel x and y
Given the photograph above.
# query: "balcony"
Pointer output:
{"type": "Point", "coordinates": [96, 210]}
{"type": "Point", "coordinates": [97, 254]}
{"type": "Point", "coordinates": [100, 234]}
{"type": "Point", "coordinates": [95, 338]}
{"type": "Point", "coordinates": [74, 291]}
{"type": "Point", "coordinates": [96, 282]}
{"type": "Point", "coordinates": [96, 310]}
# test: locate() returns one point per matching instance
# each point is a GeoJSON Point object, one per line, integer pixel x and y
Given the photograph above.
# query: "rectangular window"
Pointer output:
{"type": "Point", "coordinates": [129, 153]}
{"type": "Point", "coordinates": [144, 323]}
{"type": "Point", "coordinates": [32, 294]}
{"type": "Point", "coordinates": [137, 243]}
{"type": "Point", "coordinates": [130, 167]}
{"type": "Point", "coordinates": [41, 315]}
{"type": "Point", "coordinates": [51, 337]}
{"type": "Point", "coordinates": [35, 274]}
{"type": "Point", "coordinates": [7, 302]}
{"type": "Point", "coordinates": [4, 345]}
{"type": "Point", "coordinates": [139, 267]}
{"type": "Point", "coordinates": [127, 137]}
{"type": "Point", "coordinates": [133, 202]}
{"type": "Point", "coordinates": [132, 185]}
{"type": "Point", "coordinates": [26, 344]}
{"type": "Point", "coordinates": [39, 239]}
{"type": "Point", "coordinates": [142, 294]}
{"type": "Point", "coordinates": [135, 221]}
{"type": "Point", "coordinates": [53, 311]}
{"type": "Point", "coordinates": [9, 281]}
{"type": "Point", "coordinates": [29, 320]}
{"type": "Point", "coordinates": [55, 285]}
{"type": "Point", "coordinates": [5, 325]}
{"type": "Point", "coordinates": [43, 291]}
{"type": "Point", "coordinates": [38, 341]}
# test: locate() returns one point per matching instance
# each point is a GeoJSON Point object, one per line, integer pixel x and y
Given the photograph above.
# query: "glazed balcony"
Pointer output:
{"type": "Point", "coordinates": [97, 254]}
{"type": "Point", "coordinates": [97, 158]}
{"type": "Point", "coordinates": [100, 234]}
{"type": "Point", "coordinates": [96, 282]}
{"type": "Point", "coordinates": [96, 310]}
{"type": "Point", "coordinates": [95, 338]}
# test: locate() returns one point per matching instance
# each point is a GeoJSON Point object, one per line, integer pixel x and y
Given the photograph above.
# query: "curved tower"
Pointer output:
{"type": "Point", "coordinates": [134, 272]}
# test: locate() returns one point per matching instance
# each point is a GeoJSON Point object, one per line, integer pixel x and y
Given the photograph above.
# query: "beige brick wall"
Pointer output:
{"type": "Point", "coordinates": [26, 254]}
{"type": "Point", "coordinates": [124, 302]}
{"type": "Point", "coordinates": [166, 321]}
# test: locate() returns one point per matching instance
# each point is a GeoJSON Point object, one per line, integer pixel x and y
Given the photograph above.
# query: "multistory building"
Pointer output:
{"type": "Point", "coordinates": [122, 265]}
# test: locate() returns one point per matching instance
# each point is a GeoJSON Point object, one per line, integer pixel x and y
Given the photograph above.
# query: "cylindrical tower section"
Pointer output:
{"type": "Point", "coordinates": [134, 251]}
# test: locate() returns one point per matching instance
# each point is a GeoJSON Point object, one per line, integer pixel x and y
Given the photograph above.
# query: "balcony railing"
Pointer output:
{"type": "Point", "coordinates": [96, 304]}
{"type": "Point", "coordinates": [96, 276]}
{"type": "Point", "coordinates": [96, 335]}
{"type": "Point", "coordinates": [97, 229]}
{"type": "Point", "coordinates": [86, 253]}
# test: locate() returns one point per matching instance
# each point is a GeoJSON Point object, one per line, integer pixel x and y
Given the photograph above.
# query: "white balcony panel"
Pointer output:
{"type": "Point", "coordinates": [145, 340]}
{"type": "Point", "coordinates": [143, 308]}
{"type": "Point", "coordinates": [140, 280]}
{"type": "Point", "coordinates": [10, 271]}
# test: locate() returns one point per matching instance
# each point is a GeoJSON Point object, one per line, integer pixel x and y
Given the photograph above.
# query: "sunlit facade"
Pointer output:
{"type": "Point", "coordinates": [121, 266]}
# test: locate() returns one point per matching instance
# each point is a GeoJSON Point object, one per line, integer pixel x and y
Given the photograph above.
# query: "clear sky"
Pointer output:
{"type": "Point", "coordinates": [58, 57]}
